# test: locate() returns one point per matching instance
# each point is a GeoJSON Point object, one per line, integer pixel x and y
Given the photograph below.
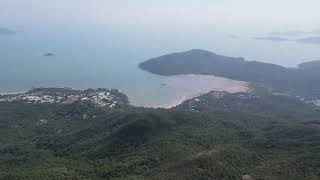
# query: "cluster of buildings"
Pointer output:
{"type": "Point", "coordinates": [316, 102]}
{"type": "Point", "coordinates": [100, 97]}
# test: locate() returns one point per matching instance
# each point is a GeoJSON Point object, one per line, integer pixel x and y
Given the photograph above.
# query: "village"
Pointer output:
{"type": "Point", "coordinates": [99, 97]}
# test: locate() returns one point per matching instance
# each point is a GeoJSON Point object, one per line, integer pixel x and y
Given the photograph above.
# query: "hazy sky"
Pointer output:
{"type": "Point", "coordinates": [268, 15]}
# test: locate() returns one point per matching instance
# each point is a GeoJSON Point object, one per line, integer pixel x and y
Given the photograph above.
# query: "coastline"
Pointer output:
{"type": "Point", "coordinates": [190, 86]}
{"type": "Point", "coordinates": [184, 87]}
{"type": "Point", "coordinates": [25, 91]}
{"type": "Point", "coordinates": [13, 93]}
{"type": "Point", "coordinates": [180, 101]}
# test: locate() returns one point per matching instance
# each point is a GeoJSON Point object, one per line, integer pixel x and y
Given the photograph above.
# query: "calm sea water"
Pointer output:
{"type": "Point", "coordinates": [109, 58]}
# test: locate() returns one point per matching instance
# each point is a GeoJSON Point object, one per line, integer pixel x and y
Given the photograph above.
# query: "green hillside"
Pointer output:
{"type": "Point", "coordinates": [215, 139]}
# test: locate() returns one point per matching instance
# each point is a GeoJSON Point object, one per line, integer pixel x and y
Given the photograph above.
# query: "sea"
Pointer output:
{"type": "Point", "coordinates": [109, 57]}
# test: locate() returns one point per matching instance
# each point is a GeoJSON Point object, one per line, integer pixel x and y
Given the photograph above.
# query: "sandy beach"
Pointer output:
{"type": "Point", "coordinates": [192, 85]}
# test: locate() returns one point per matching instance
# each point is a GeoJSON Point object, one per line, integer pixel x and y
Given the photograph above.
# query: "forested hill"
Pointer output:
{"type": "Point", "coordinates": [299, 81]}
{"type": "Point", "coordinates": [216, 136]}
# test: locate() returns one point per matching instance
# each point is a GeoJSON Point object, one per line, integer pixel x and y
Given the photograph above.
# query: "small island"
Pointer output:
{"type": "Point", "coordinates": [6, 31]}
{"type": "Point", "coordinates": [48, 54]}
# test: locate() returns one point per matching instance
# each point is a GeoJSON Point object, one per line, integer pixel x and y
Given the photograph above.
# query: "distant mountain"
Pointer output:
{"type": "Point", "coordinates": [6, 31]}
{"type": "Point", "coordinates": [297, 81]}
{"type": "Point", "coordinates": [294, 33]}
{"type": "Point", "coordinates": [306, 40]}
{"type": "Point", "coordinates": [310, 65]}
{"type": "Point", "coordinates": [272, 38]}
{"type": "Point", "coordinates": [290, 33]}
{"type": "Point", "coordinates": [310, 40]}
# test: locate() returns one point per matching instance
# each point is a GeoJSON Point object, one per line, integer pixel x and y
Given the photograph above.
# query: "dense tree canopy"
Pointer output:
{"type": "Point", "coordinates": [232, 136]}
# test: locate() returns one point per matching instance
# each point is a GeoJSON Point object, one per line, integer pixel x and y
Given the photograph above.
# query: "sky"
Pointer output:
{"type": "Point", "coordinates": [242, 15]}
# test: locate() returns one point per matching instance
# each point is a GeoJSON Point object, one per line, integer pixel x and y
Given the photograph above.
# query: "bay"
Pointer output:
{"type": "Point", "coordinates": [109, 57]}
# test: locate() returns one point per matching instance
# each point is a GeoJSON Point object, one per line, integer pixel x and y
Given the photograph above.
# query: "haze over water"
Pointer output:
{"type": "Point", "coordinates": [99, 44]}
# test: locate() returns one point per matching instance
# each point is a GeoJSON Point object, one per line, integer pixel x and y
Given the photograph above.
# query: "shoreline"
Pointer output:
{"type": "Point", "coordinates": [27, 90]}
{"type": "Point", "coordinates": [13, 93]}
{"type": "Point", "coordinates": [184, 87]}
{"type": "Point", "coordinates": [179, 101]}
{"type": "Point", "coordinates": [194, 85]}
{"type": "Point", "coordinates": [190, 86]}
